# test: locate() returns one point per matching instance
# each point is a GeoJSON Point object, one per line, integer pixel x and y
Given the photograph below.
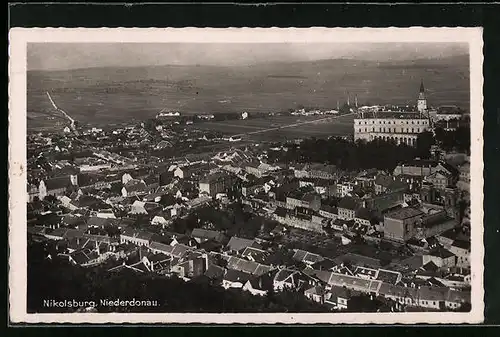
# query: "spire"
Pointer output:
{"type": "Point", "coordinates": [422, 90]}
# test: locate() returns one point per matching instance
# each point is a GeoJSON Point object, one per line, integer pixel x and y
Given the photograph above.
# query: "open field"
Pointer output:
{"type": "Point", "coordinates": [283, 127]}
{"type": "Point", "coordinates": [110, 95]}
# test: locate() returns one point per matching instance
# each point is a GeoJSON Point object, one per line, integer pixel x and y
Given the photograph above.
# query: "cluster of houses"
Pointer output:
{"type": "Point", "coordinates": [101, 216]}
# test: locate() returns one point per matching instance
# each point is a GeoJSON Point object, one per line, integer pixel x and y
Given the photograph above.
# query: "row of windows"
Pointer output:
{"type": "Point", "coordinates": [389, 130]}
{"type": "Point", "coordinates": [424, 122]}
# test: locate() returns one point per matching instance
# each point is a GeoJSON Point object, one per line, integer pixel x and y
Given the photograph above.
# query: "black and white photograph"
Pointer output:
{"type": "Point", "coordinates": [246, 175]}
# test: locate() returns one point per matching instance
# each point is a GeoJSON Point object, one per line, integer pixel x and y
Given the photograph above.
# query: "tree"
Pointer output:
{"type": "Point", "coordinates": [424, 142]}
{"type": "Point", "coordinates": [364, 303]}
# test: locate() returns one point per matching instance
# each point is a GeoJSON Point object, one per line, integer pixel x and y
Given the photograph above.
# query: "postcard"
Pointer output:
{"type": "Point", "coordinates": [246, 175]}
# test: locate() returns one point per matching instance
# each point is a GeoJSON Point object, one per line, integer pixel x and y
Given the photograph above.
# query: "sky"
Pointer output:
{"type": "Point", "coordinates": [62, 56]}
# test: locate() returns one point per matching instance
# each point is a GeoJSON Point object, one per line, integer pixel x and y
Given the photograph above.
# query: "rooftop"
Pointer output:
{"type": "Point", "coordinates": [404, 213]}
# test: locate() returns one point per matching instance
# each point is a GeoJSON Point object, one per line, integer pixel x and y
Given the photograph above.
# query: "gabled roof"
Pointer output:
{"type": "Point", "coordinates": [232, 275]}
{"type": "Point", "coordinates": [256, 254]}
{"type": "Point", "coordinates": [247, 266]}
{"type": "Point", "coordinates": [237, 244]}
{"type": "Point", "coordinates": [284, 274]}
{"type": "Point", "coordinates": [461, 244]}
{"type": "Point", "coordinates": [441, 252]}
{"type": "Point", "coordinates": [57, 183]}
{"type": "Point", "coordinates": [207, 234]}
{"type": "Point", "coordinates": [358, 260]}
{"type": "Point", "coordinates": [388, 276]}
{"type": "Point", "coordinates": [430, 266]}
{"type": "Point", "coordinates": [384, 180]}
{"type": "Point", "coordinates": [306, 257]}
{"type": "Point", "coordinates": [348, 203]}
{"type": "Point", "coordinates": [214, 272]}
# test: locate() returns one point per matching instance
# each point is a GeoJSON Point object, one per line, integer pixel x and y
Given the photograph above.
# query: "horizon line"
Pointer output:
{"type": "Point", "coordinates": [247, 64]}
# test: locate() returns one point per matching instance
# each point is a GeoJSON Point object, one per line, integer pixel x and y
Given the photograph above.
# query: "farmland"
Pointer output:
{"type": "Point", "coordinates": [271, 128]}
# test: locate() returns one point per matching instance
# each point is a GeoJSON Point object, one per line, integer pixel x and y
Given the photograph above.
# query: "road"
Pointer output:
{"type": "Point", "coordinates": [292, 125]}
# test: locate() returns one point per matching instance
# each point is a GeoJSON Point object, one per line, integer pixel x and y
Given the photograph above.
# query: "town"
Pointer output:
{"type": "Point", "coordinates": [378, 219]}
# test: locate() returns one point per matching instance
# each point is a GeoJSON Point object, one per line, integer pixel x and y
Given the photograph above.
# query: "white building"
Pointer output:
{"type": "Point", "coordinates": [401, 127]}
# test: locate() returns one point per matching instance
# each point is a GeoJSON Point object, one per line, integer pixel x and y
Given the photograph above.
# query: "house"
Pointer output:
{"type": "Point", "coordinates": [400, 224]}
{"type": "Point", "coordinates": [461, 249]}
{"type": "Point", "coordinates": [290, 279]}
{"type": "Point", "coordinates": [363, 217]}
{"type": "Point", "coordinates": [106, 213]}
{"type": "Point", "coordinates": [215, 273]}
{"type": "Point", "coordinates": [440, 179]}
{"type": "Point", "coordinates": [329, 212]}
{"type": "Point", "coordinates": [403, 295]}
{"type": "Point", "coordinates": [307, 200]}
{"type": "Point", "coordinates": [191, 171]}
{"type": "Point", "coordinates": [67, 202]}
{"type": "Point", "coordinates": [195, 264]}
{"type": "Point", "coordinates": [306, 257]}
{"type": "Point", "coordinates": [203, 235]}
{"type": "Point", "coordinates": [261, 284]}
{"type": "Point", "coordinates": [337, 297]}
{"type": "Point", "coordinates": [365, 273]}
{"type": "Point", "coordinates": [157, 262]}
{"type": "Point", "coordinates": [250, 267]}
{"type": "Point", "coordinates": [138, 207]}
{"type": "Point", "coordinates": [134, 187]}
{"type": "Point", "coordinates": [254, 254]}
{"type": "Point", "coordinates": [343, 189]}
{"type": "Point", "coordinates": [235, 279]}
{"type": "Point", "coordinates": [422, 168]}
{"type": "Point", "coordinates": [215, 183]}
{"type": "Point", "coordinates": [389, 276]}
{"type": "Point", "coordinates": [176, 250]}
{"type": "Point", "coordinates": [456, 298]}
{"type": "Point", "coordinates": [347, 208]}
{"type": "Point", "coordinates": [237, 244]}
{"type": "Point", "coordinates": [441, 257]}
{"type": "Point", "coordinates": [56, 186]}
{"type": "Point", "coordinates": [137, 237]}
{"type": "Point", "coordinates": [254, 168]}
{"type": "Point", "coordinates": [432, 297]}
{"type": "Point", "coordinates": [159, 220]}
{"type": "Point", "coordinates": [316, 294]}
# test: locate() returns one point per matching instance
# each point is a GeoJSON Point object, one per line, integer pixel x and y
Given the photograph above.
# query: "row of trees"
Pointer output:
{"type": "Point", "coordinates": [345, 154]}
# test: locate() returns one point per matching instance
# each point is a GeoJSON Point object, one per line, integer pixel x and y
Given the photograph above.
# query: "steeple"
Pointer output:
{"type": "Point", "coordinates": [422, 101]}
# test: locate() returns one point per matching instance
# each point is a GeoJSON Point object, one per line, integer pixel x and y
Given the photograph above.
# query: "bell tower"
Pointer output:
{"type": "Point", "coordinates": [422, 101]}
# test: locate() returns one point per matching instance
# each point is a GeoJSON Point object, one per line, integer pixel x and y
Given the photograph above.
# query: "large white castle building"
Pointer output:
{"type": "Point", "coordinates": [401, 127]}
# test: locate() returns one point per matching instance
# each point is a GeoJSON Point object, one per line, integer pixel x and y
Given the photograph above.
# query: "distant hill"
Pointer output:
{"type": "Point", "coordinates": [110, 94]}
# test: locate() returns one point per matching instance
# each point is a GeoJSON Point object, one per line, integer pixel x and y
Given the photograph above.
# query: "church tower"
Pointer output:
{"type": "Point", "coordinates": [422, 101]}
